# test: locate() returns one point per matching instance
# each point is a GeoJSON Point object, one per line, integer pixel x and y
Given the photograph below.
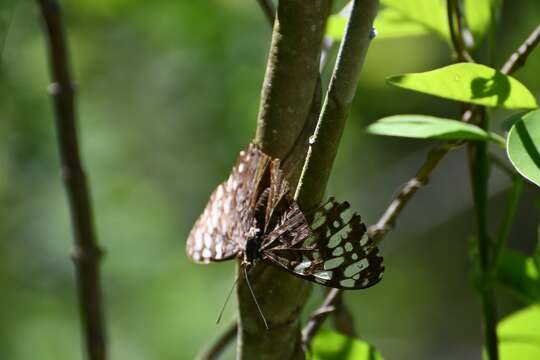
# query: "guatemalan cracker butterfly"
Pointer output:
{"type": "Point", "coordinates": [253, 216]}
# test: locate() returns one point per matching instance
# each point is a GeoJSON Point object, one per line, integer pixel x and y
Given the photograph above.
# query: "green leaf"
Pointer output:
{"type": "Point", "coordinates": [519, 335]}
{"type": "Point", "coordinates": [470, 83]}
{"type": "Point", "coordinates": [479, 15]}
{"type": "Point", "coordinates": [518, 273]}
{"type": "Point", "coordinates": [330, 345]}
{"type": "Point", "coordinates": [431, 14]}
{"type": "Point", "coordinates": [430, 127]}
{"type": "Point", "coordinates": [523, 146]}
{"type": "Point", "coordinates": [389, 24]}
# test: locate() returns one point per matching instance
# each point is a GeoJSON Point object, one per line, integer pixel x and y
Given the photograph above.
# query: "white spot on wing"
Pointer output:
{"type": "Point", "coordinates": [333, 263]}
{"type": "Point", "coordinates": [364, 240]}
{"type": "Point", "coordinates": [356, 267]}
{"type": "Point", "coordinates": [207, 240]}
{"type": "Point", "coordinates": [198, 241]}
{"type": "Point", "coordinates": [325, 275]}
{"type": "Point", "coordinates": [348, 247]}
{"type": "Point", "coordinates": [299, 269]}
{"type": "Point", "coordinates": [335, 241]}
{"type": "Point", "coordinates": [337, 251]}
{"type": "Point", "coordinates": [347, 283]}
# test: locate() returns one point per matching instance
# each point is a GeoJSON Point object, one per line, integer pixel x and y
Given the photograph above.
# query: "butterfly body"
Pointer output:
{"type": "Point", "coordinates": [253, 216]}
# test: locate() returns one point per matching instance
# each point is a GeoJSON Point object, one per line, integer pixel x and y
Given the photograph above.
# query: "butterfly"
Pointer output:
{"type": "Point", "coordinates": [253, 216]}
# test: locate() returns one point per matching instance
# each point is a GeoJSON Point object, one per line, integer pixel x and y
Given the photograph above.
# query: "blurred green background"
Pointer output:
{"type": "Point", "coordinates": [168, 94]}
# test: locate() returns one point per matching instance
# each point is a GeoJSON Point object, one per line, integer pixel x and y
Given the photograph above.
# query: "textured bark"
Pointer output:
{"type": "Point", "coordinates": [286, 109]}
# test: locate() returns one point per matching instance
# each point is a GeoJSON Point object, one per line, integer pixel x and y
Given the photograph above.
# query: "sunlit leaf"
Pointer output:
{"type": "Point", "coordinates": [479, 15]}
{"type": "Point", "coordinates": [519, 335]}
{"type": "Point", "coordinates": [470, 83]}
{"type": "Point", "coordinates": [431, 14]}
{"type": "Point", "coordinates": [430, 127]}
{"type": "Point", "coordinates": [523, 146]}
{"type": "Point", "coordinates": [389, 23]}
{"type": "Point", "coordinates": [518, 273]}
{"type": "Point", "coordinates": [330, 345]}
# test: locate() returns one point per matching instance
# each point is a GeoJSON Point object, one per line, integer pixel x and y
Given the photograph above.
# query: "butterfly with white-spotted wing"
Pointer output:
{"type": "Point", "coordinates": [253, 216]}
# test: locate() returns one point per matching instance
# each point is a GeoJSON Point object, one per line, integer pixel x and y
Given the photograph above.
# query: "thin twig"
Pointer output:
{"type": "Point", "coordinates": [518, 58]}
{"type": "Point", "coordinates": [343, 319]}
{"type": "Point", "coordinates": [318, 317]}
{"type": "Point", "coordinates": [86, 253]}
{"type": "Point", "coordinates": [215, 350]}
{"type": "Point", "coordinates": [453, 10]}
{"type": "Point", "coordinates": [268, 9]}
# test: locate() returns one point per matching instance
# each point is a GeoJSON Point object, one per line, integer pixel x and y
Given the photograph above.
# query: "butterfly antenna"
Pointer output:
{"type": "Point", "coordinates": [255, 299]}
{"type": "Point", "coordinates": [226, 301]}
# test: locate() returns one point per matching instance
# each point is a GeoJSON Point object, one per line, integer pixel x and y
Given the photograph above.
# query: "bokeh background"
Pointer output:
{"type": "Point", "coordinates": [168, 94]}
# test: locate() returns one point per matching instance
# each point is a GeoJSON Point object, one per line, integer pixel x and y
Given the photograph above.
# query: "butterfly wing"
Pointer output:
{"type": "Point", "coordinates": [219, 233]}
{"type": "Point", "coordinates": [335, 253]}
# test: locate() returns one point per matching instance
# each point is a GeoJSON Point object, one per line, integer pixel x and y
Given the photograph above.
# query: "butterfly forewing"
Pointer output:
{"type": "Point", "coordinates": [220, 232]}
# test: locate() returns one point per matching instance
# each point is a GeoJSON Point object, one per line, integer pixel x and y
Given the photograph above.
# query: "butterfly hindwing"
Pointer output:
{"type": "Point", "coordinates": [336, 253]}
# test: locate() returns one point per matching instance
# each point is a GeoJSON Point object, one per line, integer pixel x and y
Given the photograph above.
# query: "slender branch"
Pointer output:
{"type": "Point", "coordinates": [343, 319]}
{"type": "Point", "coordinates": [268, 9]}
{"type": "Point", "coordinates": [220, 343]}
{"type": "Point", "coordinates": [479, 173]}
{"type": "Point", "coordinates": [518, 58]}
{"type": "Point", "coordinates": [318, 317]}
{"type": "Point", "coordinates": [337, 104]}
{"type": "Point", "coordinates": [453, 10]}
{"type": "Point", "coordinates": [86, 253]}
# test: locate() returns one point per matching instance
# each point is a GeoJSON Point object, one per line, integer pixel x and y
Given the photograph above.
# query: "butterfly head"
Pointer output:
{"type": "Point", "coordinates": [252, 252]}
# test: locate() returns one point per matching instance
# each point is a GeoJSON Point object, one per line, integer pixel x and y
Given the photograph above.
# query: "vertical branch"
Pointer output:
{"type": "Point", "coordinates": [337, 104]}
{"type": "Point", "coordinates": [479, 172]}
{"type": "Point", "coordinates": [86, 253]}
{"type": "Point", "coordinates": [479, 169]}
{"type": "Point", "coordinates": [291, 74]}
{"type": "Point", "coordinates": [286, 105]}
